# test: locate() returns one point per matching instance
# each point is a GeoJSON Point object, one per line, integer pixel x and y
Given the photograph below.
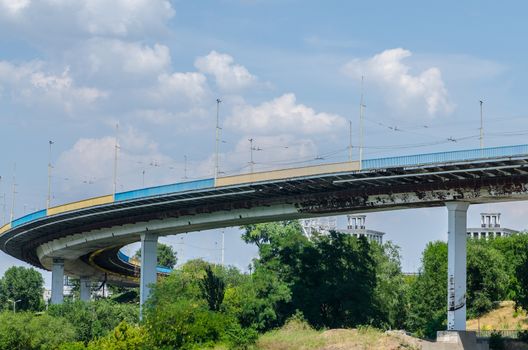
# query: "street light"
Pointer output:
{"type": "Point", "coordinates": [14, 303]}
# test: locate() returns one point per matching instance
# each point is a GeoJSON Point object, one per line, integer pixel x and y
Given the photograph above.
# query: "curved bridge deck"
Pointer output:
{"type": "Point", "coordinates": [88, 234]}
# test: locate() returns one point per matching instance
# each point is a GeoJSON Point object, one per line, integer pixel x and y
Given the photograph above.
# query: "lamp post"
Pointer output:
{"type": "Point", "coordinates": [48, 202]}
{"type": "Point", "coordinates": [14, 303]}
{"type": "Point", "coordinates": [217, 139]}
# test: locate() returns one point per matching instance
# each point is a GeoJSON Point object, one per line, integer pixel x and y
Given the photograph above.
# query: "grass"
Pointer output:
{"type": "Point", "coordinates": [504, 317]}
{"type": "Point", "coordinates": [297, 335]}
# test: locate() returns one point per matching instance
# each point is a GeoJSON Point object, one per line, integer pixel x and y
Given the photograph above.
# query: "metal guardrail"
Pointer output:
{"type": "Point", "coordinates": [507, 333]}
{"type": "Point", "coordinates": [444, 157]}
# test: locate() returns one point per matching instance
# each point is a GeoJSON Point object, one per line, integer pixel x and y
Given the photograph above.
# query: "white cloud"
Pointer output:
{"type": "Point", "coordinates": [283, 114]}
{"type": "Point", "coordinates": [115, 62]}
{"type": "Point", "coordinates": [88, 165]}
{"type": "Point", "coordinates": [29, 84]}
{"type": "Point", "coordinates": [425, 91]}
{"type": "Point", "coordinates": [228, 75]}
{"type": "Point", "coordinates": [118, 18]}
{"type": "Point", "coordinates": [161, 116]}
{"type": "Point", "coordinates": [14, 7]}
{"type": "Point", "coordinates": [190, 87]}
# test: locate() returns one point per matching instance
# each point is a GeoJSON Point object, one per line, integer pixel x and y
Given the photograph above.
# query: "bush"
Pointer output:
{"type": "Point", "coordinates": [96, 318]}
{"type": "Point", "coordinates": [24, 331]}
{"type": "Point", "coordinates": [123, 337]}
{"type": "Point", "coordinates": [185, 324]}
{"type": "Point", "coordinates": [496, 341]}
{"type": "Point", "coordinates": [523, 336]}
{"type": "Point", "coordinates": [240, 338]}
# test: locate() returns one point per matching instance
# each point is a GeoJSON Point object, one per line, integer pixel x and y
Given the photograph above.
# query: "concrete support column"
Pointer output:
{"type": "Point", "coordinates": [149, 261]}
{"type": "Point", "coordinates": [456, 265]}
{"type": "Point", "coordinates": [86, 285]}
{"type": "Point", "coordinates": [57, 281]}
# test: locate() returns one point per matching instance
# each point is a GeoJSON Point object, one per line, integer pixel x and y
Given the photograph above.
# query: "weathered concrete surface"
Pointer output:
{"type": "Point", "coordinates": [456, 340]}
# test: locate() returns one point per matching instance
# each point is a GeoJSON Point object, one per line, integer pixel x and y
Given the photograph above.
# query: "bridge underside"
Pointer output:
{"type": "Point", "coordinates": [285, 200]}
{"type": "Point", "coordinates": [84, 243]}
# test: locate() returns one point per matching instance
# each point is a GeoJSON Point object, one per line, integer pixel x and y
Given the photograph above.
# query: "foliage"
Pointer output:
{"type": "Point", "coordinates": [331, 277]}
{"type": "Point", "coordinates": [487, 280]}
{"type": "Point", "coordinates": [94, 319]}
{"type": "Point", "coordinates": [496, 341]}
{"type": "Point", "coordinates": [522, 335]}
{"type": "Point", "coordinates": [428, 293]}
{"type": "Point", "coordinates": [513, 250]}
{"type": "Point", "coordinates": [123, 337]}
{"type": "Point", "coordinates": [212, 288]}
{"type": "Point", "coordinates": [185, 324]}
{"type": "Point", "coordinates": [166, 255]}
{"type": "Point", "coordinates": [391, 291]}
{"type": "Point", "coordinates": [256, 300]}
{"type": "Point", "coordinates": [24, 331]}
{"type": "Point", "coordinates": [24, 284]}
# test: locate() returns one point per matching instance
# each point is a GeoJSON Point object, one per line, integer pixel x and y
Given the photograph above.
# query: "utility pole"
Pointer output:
{"type": "Point", "coordinates": [185, 167]}
{"type": "Point", "coordinates": [143, 178]}
{"type": "Point", "coordinates": [361, 109]}
{"type": "Point", "coordinates": [223, 246]}
{"type": "Point", "coordinates": [251, 149]}
{"type": "Point", "coordinates": [481, 126]}
{"type": "Point", "coordinates": [251, 163]}
{"type": "Point", "coordinates": [116, 148]}
{"type": "Point", "coordinates": [217, 141]}
{"type": "Point", "coordinates": [12, 216]}
{"type": "Point", "coordinates": [48, 202]}
{"type": "Point", "coordinates": [349, 140]}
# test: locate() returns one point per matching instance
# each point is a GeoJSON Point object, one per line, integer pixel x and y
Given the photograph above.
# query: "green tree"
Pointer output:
{"type": "Point", "coordinates": [513, 250]}
{"type": "Point", "coordinates": [428, 293]}
{"type": "Point", "coordinates": [256, 300]}
{"type": "Point", "coordinates": [166, 256]}
{"type": "Point", "coordinates": [96, 318]}
{"type": "Point", "coordinates": [212, 288]}
{"type": "Point", "coordinates": [185, 324]}
{"type": "Point", "coordinates": [391, 291]}
{"type": "Point", "coordinates": [331, 277]}
{"type": "Point", "coordinates": [25, 331]}
{"type": "Point", "coordinates": [487, 278]}
{"type": "Point", "coordinates": [24, 284]}
{"type": "Point", "coordinates": [123, 337]}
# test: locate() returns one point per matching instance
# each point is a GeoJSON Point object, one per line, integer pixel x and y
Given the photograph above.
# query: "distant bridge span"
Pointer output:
{"type": "Point", "coordinates": [83, 238]}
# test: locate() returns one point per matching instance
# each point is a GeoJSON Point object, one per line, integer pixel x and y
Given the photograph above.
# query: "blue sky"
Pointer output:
{"type": "Point", "coordinates": [289, 75]}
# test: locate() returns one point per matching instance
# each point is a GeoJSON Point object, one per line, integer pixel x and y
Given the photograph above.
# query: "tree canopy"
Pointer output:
{"type": "Point", "coordinates": [165, 254]}
{"type": "Point", "coordinates": [22, 285]}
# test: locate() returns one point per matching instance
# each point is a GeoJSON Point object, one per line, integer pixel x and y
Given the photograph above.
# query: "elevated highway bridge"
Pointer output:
{"type": "Point", "coordinates": [83, 239]}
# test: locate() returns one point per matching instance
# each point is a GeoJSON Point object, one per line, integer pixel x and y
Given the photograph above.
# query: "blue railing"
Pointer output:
{"type": "Point", "coordinates": [165, 189]}
{"type": "Point", "coordinates": [27, 218]}
{"type": "Point", "coordinates": [125, 258]}
{"type": "Point", "coordinates": [443, 157]}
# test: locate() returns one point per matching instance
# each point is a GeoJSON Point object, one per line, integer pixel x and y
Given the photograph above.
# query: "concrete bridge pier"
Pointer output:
{"type": "Point", "coordinates": [456, 265]}
{"type": "Point", "coordinates": [57, 281]}
{"type": "Point", "coordinates": [85, 288]}
{"type": "Point", "coordinates": [149, 261]}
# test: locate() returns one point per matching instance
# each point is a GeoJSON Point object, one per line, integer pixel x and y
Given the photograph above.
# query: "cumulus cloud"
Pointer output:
{"type": "Point", "coordinates": [189, 87]}
{"type": "Point", "coordinates": [14, 7]}
{"type": "Point", "coordinates": [118, 18]}
{"type": "Point", "coordinates": [118, 63]}
{"type": "Point", "coordinates": [88, 165]}
{"type": "Point", "coordinates": [228, 75]}
{"type": "Point", "coordinates": [128, 57]}
{"type": "Point", "coordinates": [283, 114]}
{"type": "Point", "coordinates": [29, 83]}
{"type": "Point", "coordinates": [387, 69]}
